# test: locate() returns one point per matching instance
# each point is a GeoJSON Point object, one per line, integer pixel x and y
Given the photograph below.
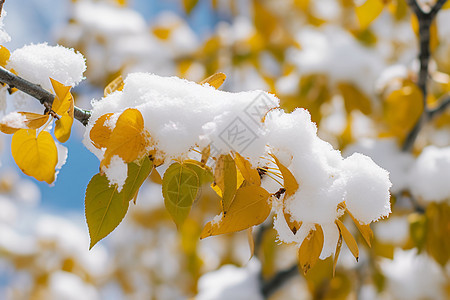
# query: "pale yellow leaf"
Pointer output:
{"type": "Point", "coordinates": [215, 80]}
{"type": "Point", "coordinates": [310, 249]}
{"type": "Point", "coordinates": [348, 238]}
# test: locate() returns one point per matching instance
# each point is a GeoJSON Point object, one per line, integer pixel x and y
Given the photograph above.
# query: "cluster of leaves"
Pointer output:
{"type": "Point", "coordinates": [244, 203]}
{"type": "Point", "coordinates": [32, 146]}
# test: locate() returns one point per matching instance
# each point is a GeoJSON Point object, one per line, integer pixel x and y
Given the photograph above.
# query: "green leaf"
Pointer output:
{"type": "Point", "coordinates": [204, 174]}
{"type": "Point", "coordinates": [104, 208]}
{"type": "Point", "coordinates": [180, 188]}
{"type": "Point", "coordinates": [137, 173]}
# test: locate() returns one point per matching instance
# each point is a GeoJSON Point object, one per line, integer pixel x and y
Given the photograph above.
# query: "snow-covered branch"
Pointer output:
{"type": "Point", "coordinates": [46, 98]}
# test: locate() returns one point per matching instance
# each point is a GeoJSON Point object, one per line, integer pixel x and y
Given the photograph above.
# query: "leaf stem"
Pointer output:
{"type": "Point", "coordinates": [46, 98]}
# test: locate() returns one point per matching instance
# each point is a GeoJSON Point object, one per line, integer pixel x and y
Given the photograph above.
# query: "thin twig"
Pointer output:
{"type": "Point", "coordinates": [270, 286]}
{"type": "Point", "coordinates": [46, 98]}
{"type": "Point", "coordinates": [425, 20]}
{"type": "Point", "coordinates": [439, 109]}
{"type": "Point", "coordinates": [1, 6]}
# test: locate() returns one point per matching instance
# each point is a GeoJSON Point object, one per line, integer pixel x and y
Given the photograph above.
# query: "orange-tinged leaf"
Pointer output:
{"type": "Point", "coordinates": [215, 80]}
{"type": "Point", "coordinates": [155, 176]}
{"type": "Point", "coordinates": [348, 238]}
{"type": "Point", "coordinates": [290, 183]}
{"type": "Point", "coordinates": [368, 12]}
{"type": "Point", "coordinates": [225, 176]}
{"type": "Point", "coordinates": [205, 155]}
{"type": "Point", "coordinates": [63, 100]}
{"type": "Point", "coordinates": [32, 121]}
{"type": "Point", "coordinates": [35, 156]}
{"type": "Point", "coordinates": [115, 85]}
{"type": "Point", "coordinates": [63, 127]}
{"type": "Point", "coordinates": [100, 133]}
{"type": "Point", "coordinates": [250, 175]}
{"type": "Point", "coordinates": [364, 229]}
{"type": "Point", "coordinates": [128, 139]}
{"type": "Point", "coordinates": [291, 186]}
{"type": "Point", "coordinates": [4, 56]}
{"type": "Point", "coordinates": [309, 251]}
{"type": "Point", "coordinates": [250, 207]}
{"type": "Point", "coordinates": [337, 252]}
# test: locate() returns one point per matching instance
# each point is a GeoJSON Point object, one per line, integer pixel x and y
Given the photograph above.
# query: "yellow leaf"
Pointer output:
{"type": "Point", "coordinates": [348, 238]}
{"type": "Point", "coordinates": [63, 127]}
{"type": "Point", "coordinates": [115, 85]}
{"type": "Point", "coordinates": [4, 56]}
{"type": "Point", "coordinates": [291, 186]}
{"type": "Point", "coordinates": [35, 156]}
{"type": "Point", "coordinates": [249, 207]}
{"type": "Point", "coordinates": [32, 121]}
{"type": "Point", "coordinates": [309, 251]}
{"type": "Point", "coordinates": [402, 109]}
{"type": "Point", "coordinates": [189, 5]}
{"type": "Point", "coordinates": [155, 176]}
{"type": "Point", "coordinates": [354, 98]}
{"type": "Point", "coordinates": [63, 98]}
{"type": "Point", "coordinates": [100, 133]}
{"type": "Point", "coordinates": [337, 252]}
{"type": "Point", "coordinates": [365, 230]}
{"type": "Point", "coordinates": [128, 140]}
{"type": "Point", "coordinates": [250, 175]}
{"type": "Point", "coordinates": [215, 80]}
{"type": "Point", "coordinates": [225, 176]}
{"type": "Point", "coordinates": [162, 33]}
{"type": "Point", "coordinates": [368, 12]}
{"type": "Point", "coordinates": [205, 155]}
{"type": "Point", "coordinates": [251, 241]}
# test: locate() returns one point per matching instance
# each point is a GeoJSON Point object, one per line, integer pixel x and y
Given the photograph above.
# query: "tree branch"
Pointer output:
{"type": "Point", "coordinates": [1, 6]}
{"type": "Point", "coordinates": [440, 109]}
{"type": "Point", "coordinates": [46, 98]}
{"type": "Point", "coordinates": [425, 20]}
{"type": "Point", "coordinates": [273, 284]}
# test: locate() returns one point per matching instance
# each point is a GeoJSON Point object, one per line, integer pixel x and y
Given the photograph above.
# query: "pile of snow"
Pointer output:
{"type": "Point", "coordinates": [180, 115]}
{"type": "Point", "coordinates": [429, 176]}
{"type": "Point", "coordinates": [37, 63]}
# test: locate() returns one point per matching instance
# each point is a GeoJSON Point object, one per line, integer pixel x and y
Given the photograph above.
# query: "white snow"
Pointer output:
{"type": "Point", "coordinates": [325, 179]}
{"type": "Point", "coordinates": [394, 230]}
{"type": "Point", "coordinates": [413, 277]}
{"type": "Point", "coordinates": [429, 176]}
{"type": "Point", "coordinates": [4, 36]}
{"type": "Point", "coordinates": [231, 282]}
{"type": "Point", "coordinates": [14, 120]}
{"type": "Point", "coordinates": [387, 154]}
{"type": "Point", "coordinates": [38, 62]}
{"type": "Point", "coordinates": [116, 172]}
{"type": "Point", "coordinates": [108, 19]}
